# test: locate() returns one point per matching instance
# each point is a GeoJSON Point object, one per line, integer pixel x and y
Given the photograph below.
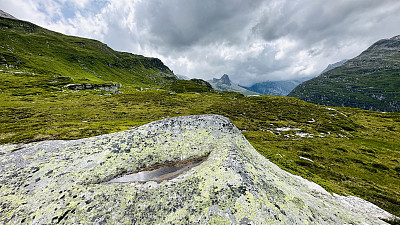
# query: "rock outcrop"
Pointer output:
{"type": "Point", "coordinates": [67, 181]}
{"type": "Point", "coordinates": [225, 84]}
{"type": "Point", "coordinates": [105, 87]}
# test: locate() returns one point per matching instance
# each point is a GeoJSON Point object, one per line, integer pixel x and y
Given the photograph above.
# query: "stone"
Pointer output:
{"type": "Point", "coordinates": [67, 181]}
{"type": "Point", "coordinates": [112, 87]}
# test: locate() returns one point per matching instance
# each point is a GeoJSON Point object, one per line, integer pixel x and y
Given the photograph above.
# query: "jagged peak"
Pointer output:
{"type": "Point", "coordinates": [225, 79]}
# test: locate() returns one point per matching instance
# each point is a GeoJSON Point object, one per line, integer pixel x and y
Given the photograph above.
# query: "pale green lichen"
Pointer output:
{"type": "Point", "coordinates": [62, 182]}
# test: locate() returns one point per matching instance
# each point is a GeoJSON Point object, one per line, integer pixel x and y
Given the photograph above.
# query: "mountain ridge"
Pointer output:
{"type": "Point", "coordinates": [283, 88]}
{"type": "Point", "coordinates": [369, 81]}
{"type": "Point", "coordinates": [344, 150]}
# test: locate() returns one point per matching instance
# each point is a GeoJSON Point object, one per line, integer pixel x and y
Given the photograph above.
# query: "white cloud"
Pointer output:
{"type": "Point", "coordinates": [249, 40]}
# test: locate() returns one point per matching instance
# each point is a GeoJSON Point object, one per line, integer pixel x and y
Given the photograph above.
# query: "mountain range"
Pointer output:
{"type": "Point", "coordinates": [369, 81]}
{"type": "Point", "coordinates": [274, 87]}
{"type": "Point", "coordinates": [55, 88]}
{"type": "Point", "coordinates": [284, 87]}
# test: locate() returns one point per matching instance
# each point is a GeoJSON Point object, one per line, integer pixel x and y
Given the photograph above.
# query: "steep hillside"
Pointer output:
{"type": "Point", "coordinates": [369, 81]}
{"type": "Point", "coordinates": [225, 84]}
{"type": "Point", "coordinates": [58, 59]}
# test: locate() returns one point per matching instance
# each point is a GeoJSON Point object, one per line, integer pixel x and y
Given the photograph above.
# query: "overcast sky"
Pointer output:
{"type": "Point", "coordinates": [251, 40]}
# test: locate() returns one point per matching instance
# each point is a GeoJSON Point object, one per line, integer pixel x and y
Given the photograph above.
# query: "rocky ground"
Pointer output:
{"type": "Point", "coordinates": [67, 181]}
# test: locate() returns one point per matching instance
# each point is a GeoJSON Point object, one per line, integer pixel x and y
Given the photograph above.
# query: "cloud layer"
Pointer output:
{"type": "Point", "coordinates": [252, 41]}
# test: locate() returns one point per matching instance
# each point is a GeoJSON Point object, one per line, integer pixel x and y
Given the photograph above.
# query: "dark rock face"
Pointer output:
{"type": "Point", "coordinates": [369, 81]}
{"type": "Point", "coordinates": [66, 181]}
{"type": "Point", "coordinates": [223, 80]}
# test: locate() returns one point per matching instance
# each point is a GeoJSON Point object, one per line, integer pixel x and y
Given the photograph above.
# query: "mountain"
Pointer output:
{"type": "Point", "coordinates": [334, 65]}
{"type": "Point", "coordinates": [274, 87]}
{"type": "Point", "coordinates": [225, 84]}
{"type": "Point", "coordinates": [283, 88]}
{"type": "Point", "coordinates": [208, 173]}
{"type": "Point", "coordinates": [182, 77]}
{"type": "Point", "coordinates": [369, 81]}
{"type": "Point", "coordinates": [46, 94]}
{"type": "Point", "coordinates": [59, 60]}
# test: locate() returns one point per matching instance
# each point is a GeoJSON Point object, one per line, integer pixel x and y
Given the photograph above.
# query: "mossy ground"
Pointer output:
{"type": "Point", "coordinates": [345, 150]}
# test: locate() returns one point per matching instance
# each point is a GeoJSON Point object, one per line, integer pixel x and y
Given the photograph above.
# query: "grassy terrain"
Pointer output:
{"type": "Point", "coordinates": [347, 151]}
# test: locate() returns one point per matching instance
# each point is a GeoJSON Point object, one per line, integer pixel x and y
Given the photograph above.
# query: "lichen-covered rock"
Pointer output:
{"type": "Point", "coordinates": [66, 181]}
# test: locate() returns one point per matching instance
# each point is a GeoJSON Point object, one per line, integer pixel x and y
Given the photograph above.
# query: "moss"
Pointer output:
{"type": "Point", "coordinates": [34, 106]}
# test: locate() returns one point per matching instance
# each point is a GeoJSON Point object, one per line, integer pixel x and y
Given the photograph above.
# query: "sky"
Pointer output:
{"type": "Point", "coordinates": [250, 40]}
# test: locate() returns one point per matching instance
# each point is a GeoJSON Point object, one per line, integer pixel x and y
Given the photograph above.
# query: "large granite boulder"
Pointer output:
{"type": "Point", "coordinates": [227, 181]}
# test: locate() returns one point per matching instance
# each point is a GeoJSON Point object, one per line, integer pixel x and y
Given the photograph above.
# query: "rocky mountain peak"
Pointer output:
{"type": "Point", "coordinates": [223, 80]}
{"type": "Point", "coordinates": [6, 15]}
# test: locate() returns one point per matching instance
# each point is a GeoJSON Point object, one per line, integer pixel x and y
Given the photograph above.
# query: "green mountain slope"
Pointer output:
{"type": "Point", "coordinates": [347, 151]}
{"type": "Point", "coordinates": [369, 81]}
{"type": "Point", "coordinates": [61, 59]}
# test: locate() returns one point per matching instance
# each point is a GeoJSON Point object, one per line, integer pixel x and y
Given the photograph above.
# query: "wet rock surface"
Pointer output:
{"type": "Point", "coordinates": [66, 181]}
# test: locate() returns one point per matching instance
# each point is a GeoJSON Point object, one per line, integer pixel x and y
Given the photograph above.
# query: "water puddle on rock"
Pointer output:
{"type": "Point", "coordinates": [160, 172]}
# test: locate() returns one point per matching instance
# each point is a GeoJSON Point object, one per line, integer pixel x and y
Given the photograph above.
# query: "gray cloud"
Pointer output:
{"type": "Point", "coordinates": [251, 41]}
{"type": "Point", "coordinates": [180, 24]}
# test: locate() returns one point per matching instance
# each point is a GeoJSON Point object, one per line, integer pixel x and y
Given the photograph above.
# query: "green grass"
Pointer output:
{"type": "Point", "coordinates": [352, 151]}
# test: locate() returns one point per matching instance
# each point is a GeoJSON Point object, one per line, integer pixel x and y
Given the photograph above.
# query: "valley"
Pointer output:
{"type": "Point", "coordinates": [347, 151]}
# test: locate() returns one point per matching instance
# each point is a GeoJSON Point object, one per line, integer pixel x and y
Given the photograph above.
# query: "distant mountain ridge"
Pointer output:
{"type": "Point", "coordinates": [334, 65]}
{"type": "Point", "coordinates": [274, 87]}
{"type": "Point", "coordinates": [284, 87]}
{"type": "Point", "coordinates": [369, 81]}
{"type": "Point", "coordinates": [225, 84]}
